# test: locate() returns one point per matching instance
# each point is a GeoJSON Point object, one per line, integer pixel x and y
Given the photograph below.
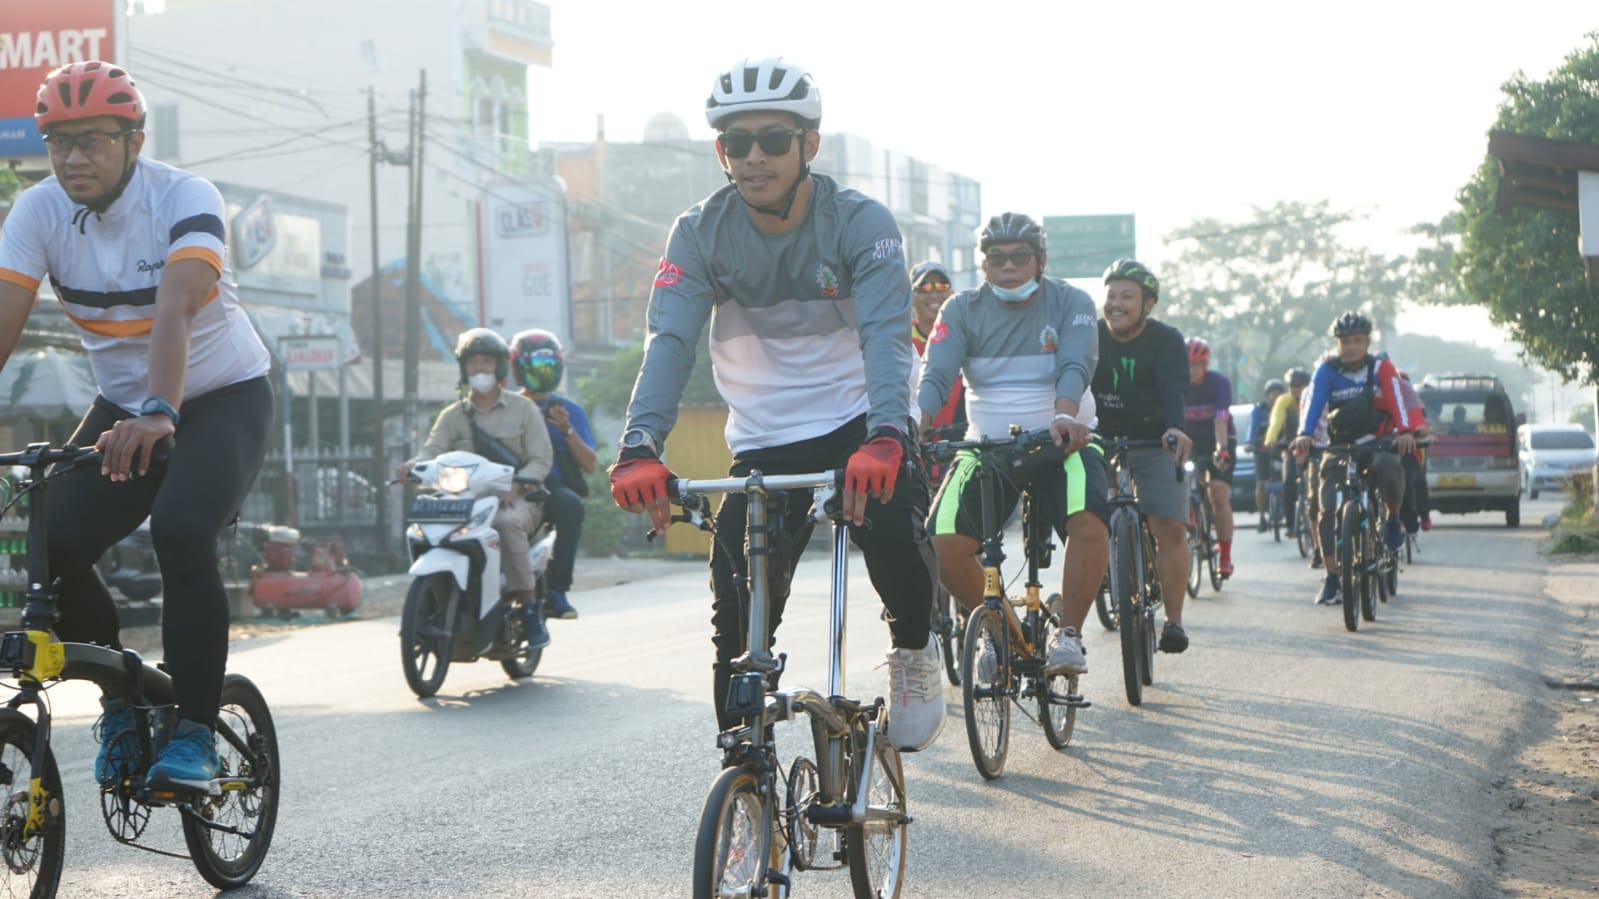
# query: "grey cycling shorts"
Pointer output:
{"type": "Point", "coordinates": [1155, 483]}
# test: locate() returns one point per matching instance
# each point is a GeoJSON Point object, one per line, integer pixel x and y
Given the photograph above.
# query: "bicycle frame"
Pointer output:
{"type": "Point", "coordinates": [37, 657]}
{"type": "Point", "coordinates": [833, 717]}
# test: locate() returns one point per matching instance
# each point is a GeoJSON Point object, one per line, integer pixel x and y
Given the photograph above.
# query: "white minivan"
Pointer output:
{"type": "Point", "coordinates": [1552, 454]}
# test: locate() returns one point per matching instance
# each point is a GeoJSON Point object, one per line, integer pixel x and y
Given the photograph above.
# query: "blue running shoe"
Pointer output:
{"type": "Point", "coordinates": [557, 606]}
{"type": "Point", "coordinates": [189, 760]}
{"type": "Point", "coordinates": [1396, 533]}
{"type": "Point", "coordinates": [1329, 592]}
{"type": "Point", "coordinates": [538, 634]}
{"type": "Point", "coordinates": [119, 747]}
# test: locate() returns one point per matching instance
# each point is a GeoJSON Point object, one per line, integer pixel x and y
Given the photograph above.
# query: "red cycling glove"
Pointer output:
{"type": "Point", "coordinates": [638, 482]}
{"type": "Point", "coordinates": [874, 467]}
{"type": "Point", "coordinates": [1224, 459]}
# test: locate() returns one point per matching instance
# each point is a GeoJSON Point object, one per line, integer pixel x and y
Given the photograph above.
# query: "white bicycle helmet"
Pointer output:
{"type": "Point", "coordinates": [764, 85]}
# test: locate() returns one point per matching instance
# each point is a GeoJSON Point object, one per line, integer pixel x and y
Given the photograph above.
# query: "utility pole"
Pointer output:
{"type": "Point", "coordinates": [379, 448]}
{"type": "Point", "coordinates": [413, 263]}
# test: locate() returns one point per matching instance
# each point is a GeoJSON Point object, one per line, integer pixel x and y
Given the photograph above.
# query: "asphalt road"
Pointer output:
{"type": "Point", "coordinates": [1280, 756]}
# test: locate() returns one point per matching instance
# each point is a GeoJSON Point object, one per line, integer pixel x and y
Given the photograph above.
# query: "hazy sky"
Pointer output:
{"type": "Point", "coordinates": [1170, 111]}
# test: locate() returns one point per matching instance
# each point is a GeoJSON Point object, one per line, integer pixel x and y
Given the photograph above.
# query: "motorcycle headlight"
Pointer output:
{"type": "Point", "coordinates": [454, 479]}
{"type": "Point", "coordinates": [414, 533]}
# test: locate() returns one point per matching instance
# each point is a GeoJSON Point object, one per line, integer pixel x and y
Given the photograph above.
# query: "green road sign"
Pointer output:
{"type": "Point", "coordinates": [1083, 246]}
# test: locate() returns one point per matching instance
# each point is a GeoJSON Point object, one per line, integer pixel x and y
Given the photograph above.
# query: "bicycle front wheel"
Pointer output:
{"type": "Point", "coordinates": [876, 847]}
{"type": "Point", "coordinates": [1274, 511]}
{"type": "Point", "coordinates": [228, 834]}
{"type": "Point", "coordinates": [730, 851]}
{"type": "Point", "coordinates": [1351, 559]}
{"type": "Point", "coordinates": [1302, 528]}
{"type": "Point", "coordinates": [1124, 589]}
{"type": "Point", "coordinates": [1197, 550]}
{"type": "Point", "coordinates": [32, 859]}
{"type": "Point", "coordinates": [944, 629]}
{"type": "Point", "coordinates": [1105, 606]}
{"type": "Point", "coordinates": [985, 692]}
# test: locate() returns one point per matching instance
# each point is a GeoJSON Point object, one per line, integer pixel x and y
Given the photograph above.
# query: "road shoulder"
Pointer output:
{"type": "Point", "coordinates": [1547, 841]}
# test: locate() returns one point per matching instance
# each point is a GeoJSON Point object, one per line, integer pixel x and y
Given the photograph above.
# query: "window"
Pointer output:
{"type": "Point", "coordinates": [1561, 440]}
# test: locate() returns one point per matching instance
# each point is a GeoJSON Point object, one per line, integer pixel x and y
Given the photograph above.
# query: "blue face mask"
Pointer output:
{"type": "Point", "coordinates": [1017, 294]}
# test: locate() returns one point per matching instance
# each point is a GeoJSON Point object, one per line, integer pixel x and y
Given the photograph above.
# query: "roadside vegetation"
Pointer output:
{"type": "Point", "coordinates": [1578, 528]}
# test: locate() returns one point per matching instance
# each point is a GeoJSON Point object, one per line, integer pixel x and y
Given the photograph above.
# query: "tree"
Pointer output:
{"type": "Point", "coordinates": [1264, 292]}
{"type": "Point", "coordinates": [10, 185]}
{"type": "Point", "coordinates": [1524, 267]}
{"type": "Point", "coordinates": [610, 386]}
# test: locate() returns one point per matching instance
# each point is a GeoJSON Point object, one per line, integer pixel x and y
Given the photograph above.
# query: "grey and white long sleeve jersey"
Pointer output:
{"type": "Point", "coordinates": [807, 328]}
{"type": "Point", "coordinates": [1017, 359]}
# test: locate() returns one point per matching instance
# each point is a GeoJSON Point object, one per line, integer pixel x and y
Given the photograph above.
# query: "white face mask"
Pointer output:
{"type": "Point", "coordinates": [483, 382]}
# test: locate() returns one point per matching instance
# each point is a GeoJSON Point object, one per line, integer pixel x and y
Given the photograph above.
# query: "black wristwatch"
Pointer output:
{"type": "Point", "coordinates": [154, 405]}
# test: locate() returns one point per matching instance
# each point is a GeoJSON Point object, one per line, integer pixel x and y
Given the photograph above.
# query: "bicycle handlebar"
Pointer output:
{"type": "Point", "coordinates": [680, 487]}
{"type": "Point", "coordinates": [1026, 441]}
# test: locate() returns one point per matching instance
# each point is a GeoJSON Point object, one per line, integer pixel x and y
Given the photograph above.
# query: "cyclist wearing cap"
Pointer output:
{"type": "Point", "coordinates": [1362, 398]}
{"type": "Point", "coordinates": [1284, 420]}
{"type": "Point", "coordinates": [930, 288]}
{"type": "Point", "coordinates": [516, 437]}
{"type": "Point", "coordinates": [537, 363]}
{"type": "Point", "coordinates": [1027, 347]}
{"type": "Point", "coordinates": [1210, 425]}
{"type": "Point", "coordinates": [804, 284]}
{"type": "Point", "coordinates": [134, 250]}
{"type": "Point", "coordinates": [1265, 459]}
{"type": "Point", "coordinates": [1139, 387]}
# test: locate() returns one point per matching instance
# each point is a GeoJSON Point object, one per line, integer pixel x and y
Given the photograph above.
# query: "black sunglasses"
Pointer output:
{"type": "Point", "coordinates": [1020, 257]}
{"type": "Point", "coordinates": [775, 142]}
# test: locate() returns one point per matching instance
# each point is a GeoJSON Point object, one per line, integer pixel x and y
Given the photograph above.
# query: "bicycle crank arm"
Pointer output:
{"type": "Point", "coordinates": [219, 828]}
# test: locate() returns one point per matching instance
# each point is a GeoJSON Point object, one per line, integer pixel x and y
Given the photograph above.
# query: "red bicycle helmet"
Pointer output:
{"type": "Point", "coordinates": [83, 90]}
{"type": "Point", "coordinates": [1198, 351]}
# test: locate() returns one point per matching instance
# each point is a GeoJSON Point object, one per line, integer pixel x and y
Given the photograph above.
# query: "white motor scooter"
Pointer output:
{"type": "Point", "coordinates": [456, 609]}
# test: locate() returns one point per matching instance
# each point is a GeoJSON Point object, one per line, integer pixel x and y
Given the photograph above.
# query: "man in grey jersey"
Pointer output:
{"type": "Point", "coordinates": [804, 284]}
{"type": "Point", "coordinates": [1028, 346]}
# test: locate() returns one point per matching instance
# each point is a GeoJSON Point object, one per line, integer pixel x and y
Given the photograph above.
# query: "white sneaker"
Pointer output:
{"type": "Point", "coordinates": [1066, 653]}
{"type": "Point", "coordinates": [916, 697]}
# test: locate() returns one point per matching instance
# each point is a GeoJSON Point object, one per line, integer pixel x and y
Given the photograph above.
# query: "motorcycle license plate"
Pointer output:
{"type": "Point", "coordinates": [431, 508]}
{"type": "Point", "coordinates": [1457, 480]}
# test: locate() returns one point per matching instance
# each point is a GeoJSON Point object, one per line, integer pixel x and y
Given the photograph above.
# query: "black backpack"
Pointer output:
{"type": "Point", "coordinates": [1357, 417]}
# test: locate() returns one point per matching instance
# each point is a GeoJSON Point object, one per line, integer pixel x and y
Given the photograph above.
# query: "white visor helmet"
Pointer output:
{"type": "Point", "coordinates": [764, 85]}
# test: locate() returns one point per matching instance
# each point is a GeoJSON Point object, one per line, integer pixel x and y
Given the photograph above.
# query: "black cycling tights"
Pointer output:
{"type": "Point", "coordinates": [189, 499]}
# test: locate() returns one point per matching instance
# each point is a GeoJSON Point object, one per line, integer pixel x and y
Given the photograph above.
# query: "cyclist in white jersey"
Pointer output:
{"type": "Point", "coordinates": [134, 251]}
{"type": "Point", "coordinates": [804, 284]}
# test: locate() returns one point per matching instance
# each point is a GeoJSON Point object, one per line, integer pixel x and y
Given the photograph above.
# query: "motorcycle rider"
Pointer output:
{"type": "Point", "coordinates": [514, 422]}
{"type": "Point", "coordinates": [538, 363]}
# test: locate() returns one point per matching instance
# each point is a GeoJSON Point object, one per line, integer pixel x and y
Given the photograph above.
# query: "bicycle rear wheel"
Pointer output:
{"type": "Point", "coordinates": [1376, 573]}
{"type": "Point", "coordinates": [876, 847]}
{"type": "Point", "coordinates": [1124, 588]}
{"type": "Point", "coordinates": [1149, 599]}
{"type": "Point", "coordinates": [985, 691]}
{"type": "Point", "coordinates": [734, 839]}
{"type": "Point", "coordinates": [1057, 693]}
{"type": "Point", "coordinates": [1274, 511]}
{"type": "Point", "coordinates": [1351, 558]}
{"type": "Point", "coordinates": [228, 834]}
{"type": "Point", "coordinates": [32, 860]}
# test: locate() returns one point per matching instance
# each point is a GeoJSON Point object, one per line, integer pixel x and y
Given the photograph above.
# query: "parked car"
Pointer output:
{"type": "Point", "coordinates": [1552, 454]}
{"type": "Point", "coordinates": [1474, 466]}
{"type": "Point", "coordinates": [1244, 465]}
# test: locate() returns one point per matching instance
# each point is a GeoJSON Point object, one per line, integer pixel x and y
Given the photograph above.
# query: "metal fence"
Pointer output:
{"type": "Point", "coordinates": [331, 490]}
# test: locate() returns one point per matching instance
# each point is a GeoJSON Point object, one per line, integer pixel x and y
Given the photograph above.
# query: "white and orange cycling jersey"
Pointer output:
{"type": "Point", "coordinates": [105, 268]}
